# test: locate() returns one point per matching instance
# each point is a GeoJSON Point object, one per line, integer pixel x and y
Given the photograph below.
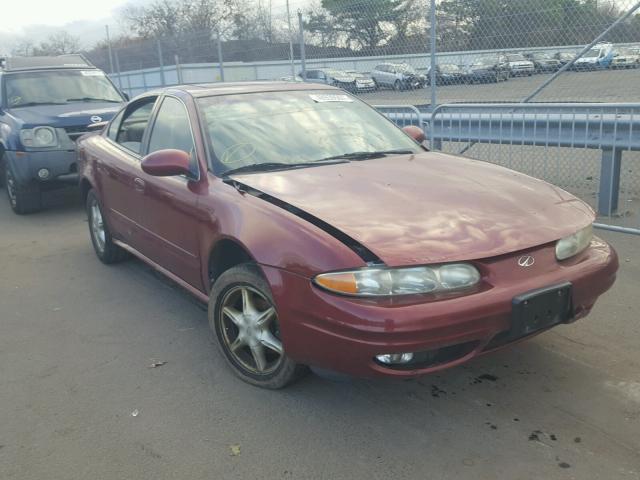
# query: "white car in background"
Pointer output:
{"type": "Point", "coordinates": [519, 65]}
{"type": "Point", "coordinates": [625, 58]}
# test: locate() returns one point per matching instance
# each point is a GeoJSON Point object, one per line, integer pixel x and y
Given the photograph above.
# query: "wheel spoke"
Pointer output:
{"type": "Point", "coordinates": [247, 305]}
{"type": "Point", "coordinates": [257, 351]}
{"type": "Point", "coordinates": [265, 317]}
{"type": "Point", "coordinates": [234, 315]}
{"type": "Point", "coordinates": [271, 342]}
{"type": "Point", "coordinates": [237, 344]}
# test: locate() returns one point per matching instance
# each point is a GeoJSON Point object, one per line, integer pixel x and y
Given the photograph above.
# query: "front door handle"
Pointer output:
{"type": "Point", "coordinates": [139, 184]}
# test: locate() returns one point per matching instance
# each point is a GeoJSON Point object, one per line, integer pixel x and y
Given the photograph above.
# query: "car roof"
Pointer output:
{"type": "Point", "coordinates": [12, 64]}
{"type": "Point", "coordinates": [238, 88]}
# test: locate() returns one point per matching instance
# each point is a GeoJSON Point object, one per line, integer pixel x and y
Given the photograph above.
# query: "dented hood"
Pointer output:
{"type": "Point", "coordinates": [429, 207]}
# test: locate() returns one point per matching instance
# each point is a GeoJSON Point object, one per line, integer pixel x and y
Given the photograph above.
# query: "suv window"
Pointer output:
{"type": "Point", "coordinates": [62, 87]}
{"type": "Point", "coordinates": [312, 74]}
{"type": "Point", "coordinates": [134, 123]}
{"type": "Point", "coordinates": [172, 129]}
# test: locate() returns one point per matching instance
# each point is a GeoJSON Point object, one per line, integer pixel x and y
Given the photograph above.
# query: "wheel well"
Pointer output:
{"type": "Point", "coordinates": [225, 255]}
{"type": "Point", "coordinates": [85, 186]}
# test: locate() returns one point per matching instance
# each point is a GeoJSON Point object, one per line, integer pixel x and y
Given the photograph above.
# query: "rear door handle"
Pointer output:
{"type": "Point", "coordinates": [139, 184]}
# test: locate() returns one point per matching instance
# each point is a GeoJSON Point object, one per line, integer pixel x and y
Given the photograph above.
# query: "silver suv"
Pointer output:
{"type": "Point", "coordinates": [399, 76]}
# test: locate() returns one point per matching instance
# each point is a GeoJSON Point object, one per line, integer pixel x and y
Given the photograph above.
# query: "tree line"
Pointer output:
{"type": "Point", "coordinates": [252, 30]}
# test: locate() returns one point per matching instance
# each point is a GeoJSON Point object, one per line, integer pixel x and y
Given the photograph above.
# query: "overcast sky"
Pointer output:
{"type": "Point", "coordinates": [37, 19]}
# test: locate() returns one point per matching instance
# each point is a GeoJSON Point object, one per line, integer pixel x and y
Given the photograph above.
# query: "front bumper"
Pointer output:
{"type": "Point", "coordinates": [345, 334]}
{"type": "Point", "coordinates": [60, 163]}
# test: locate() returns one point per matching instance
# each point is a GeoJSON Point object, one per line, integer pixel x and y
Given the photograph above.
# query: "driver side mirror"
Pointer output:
{"type": "Point", "coordinates": [167, 163]}
{"type": "Point", "coordinates": [415, 132]}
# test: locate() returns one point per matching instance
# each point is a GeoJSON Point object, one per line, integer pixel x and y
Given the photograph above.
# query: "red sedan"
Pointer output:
{"type": "Point", "coordinates": [322, 235]}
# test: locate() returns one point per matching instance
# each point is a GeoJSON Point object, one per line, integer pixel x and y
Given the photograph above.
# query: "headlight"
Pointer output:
{"type": "Point", "coordinates": [39, 137]}
{"type": "Point", "coordinates": [573, 244]}
{"type": "Point", "coordinates": [400, 281]}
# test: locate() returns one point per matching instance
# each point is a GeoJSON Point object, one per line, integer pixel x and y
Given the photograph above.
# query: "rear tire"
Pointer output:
{"type": "Point", "coordinates": [24, 199]}
{"type": "Point", "coordinates": [397, 86]}
{"type": "Point", "coordinates": [106, 250]}
{"type": "Point", "coordinates": [243, 318]}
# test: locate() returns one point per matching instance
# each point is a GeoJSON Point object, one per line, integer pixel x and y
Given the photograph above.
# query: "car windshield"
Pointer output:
{"type": "Point", "coordinates": [449, 68]}
{"type": "Point", "coordinates": [294, 128]}
{"type": "Point", "coordinates": [594, 52]}
{"type": "Point", "coordinates": [515, 58]}
{"type": "Point", "coordinates": [403, 67]}
{"type": "Point", "coordinates": [62, 87]}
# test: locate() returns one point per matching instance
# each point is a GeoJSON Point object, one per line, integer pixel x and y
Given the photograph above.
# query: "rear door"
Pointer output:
{"type": "Point", "coordinates": [120, 166]}
{"type": "Point", "coordinates": [169, 219]}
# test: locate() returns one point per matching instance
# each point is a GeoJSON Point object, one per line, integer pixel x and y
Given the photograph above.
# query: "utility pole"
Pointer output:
{"type": "Point", "coordinates": [432, 72]}
{"type": "Point", "coordinates": [293, 67]}
{"type": "Point", "coordinates": [303, 63]}
{"type": "Point", "coordinates": [109, 47]}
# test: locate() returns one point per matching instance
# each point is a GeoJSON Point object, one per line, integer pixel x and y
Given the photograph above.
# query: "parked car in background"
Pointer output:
{"type": "Point", "coordinates": [364, 82]}
{"type": "Point", "coordinates": [519, 65]}
{"type": "Point", "coordinates": [322, 235]}
{"type": "Point", "coordinates": [399, 76]}
{"type": "Point", "coordinates": [446, 74]}
{"type": "Point", "coordinates": [488, 69]}
{"type": "Point", "coordinates": [625, 58]}
{"type": "Point", "coordinates": [45, 105]}
{"type": "Point", "coordinates": [339, 78]}
{"type": "Point", "coordinates": [564, 57]}
{"type": "Point", "coordinates": [542, 62]}
{"type": "Point", "coordinates": [599, 57]}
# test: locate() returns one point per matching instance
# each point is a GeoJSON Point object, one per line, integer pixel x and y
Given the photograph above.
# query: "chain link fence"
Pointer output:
{"type": "Point", "coordinates": [482, 51]}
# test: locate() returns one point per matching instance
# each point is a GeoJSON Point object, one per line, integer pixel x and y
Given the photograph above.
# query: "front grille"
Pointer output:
{"type": "Point", "coordinates": [76, 132]}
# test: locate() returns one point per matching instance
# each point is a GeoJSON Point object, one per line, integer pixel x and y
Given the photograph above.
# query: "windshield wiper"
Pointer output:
{"type": "Point", "coordinates": [271, 166]}
{"type": "Point", "coordinates": [368, 155]}
{"type": "Point", "coordinates": [92, 99]}
{"type": "Point", "coordinates": [33, 104]}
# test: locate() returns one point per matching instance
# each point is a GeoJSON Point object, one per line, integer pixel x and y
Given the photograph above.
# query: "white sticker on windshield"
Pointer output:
{"type": "Point", "coordinates": [330, 98]}
{"type": "Point", "coordinates": [91, 73]}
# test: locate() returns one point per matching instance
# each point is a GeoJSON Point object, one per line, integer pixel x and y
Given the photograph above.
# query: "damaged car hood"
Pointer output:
{"type": "Point", "coordinates": [429, 207]}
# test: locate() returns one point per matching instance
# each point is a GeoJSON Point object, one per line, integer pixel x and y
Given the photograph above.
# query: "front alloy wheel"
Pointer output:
{"type": "Point", "coordinates": [245, 322]}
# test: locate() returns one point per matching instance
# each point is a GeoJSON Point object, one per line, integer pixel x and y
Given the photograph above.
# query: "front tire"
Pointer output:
{"type": "Point", "coordinates": [25, 198]}
{"type": "Point", "coordinates": [106, 250]}
{"type": "Point", "coordinates": [243, 317]}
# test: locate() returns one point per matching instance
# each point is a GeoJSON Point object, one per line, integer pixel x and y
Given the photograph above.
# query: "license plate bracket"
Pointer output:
{"type": "Point", "coordinates": [539, 309]}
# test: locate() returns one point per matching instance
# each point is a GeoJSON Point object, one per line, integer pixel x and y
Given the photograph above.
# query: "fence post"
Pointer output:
{"type": "Point", "coordinates": [293, 67]}
{"type": "Point", "coordinates": [220, 59]}
{"type": "Point", "coordinates": [609, 181]}
{"type": "Point", "coordinates": [178, 69]}
{"type": "Point", "coordinates": [161, 63]}
{"type": "Point", "coordinates": [432, 71]}
{"type": "Point", "coordinates": [118, 69]}
{"type": "Point", "coordinates": [106, 27]}
{"type": "Point", "coordinates": [303, 60]}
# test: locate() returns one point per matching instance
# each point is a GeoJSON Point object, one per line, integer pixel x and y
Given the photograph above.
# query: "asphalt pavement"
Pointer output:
{"type": "Point", "coordinates": [79, 398]}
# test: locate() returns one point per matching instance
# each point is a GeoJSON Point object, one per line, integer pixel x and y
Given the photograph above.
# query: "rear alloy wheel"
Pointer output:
{"type": "Point", "coordinates": [245, 322]}
{"type": "Point", "coordinates": [107, 251]}
{"type": "Point", "coordinates": [23, 199]}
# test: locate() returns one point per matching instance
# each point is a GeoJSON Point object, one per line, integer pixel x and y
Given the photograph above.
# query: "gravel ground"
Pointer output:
{"type": "Point", "coordinates": [599, 86]}
{"type": "Point", "coordinates": [77, 339]}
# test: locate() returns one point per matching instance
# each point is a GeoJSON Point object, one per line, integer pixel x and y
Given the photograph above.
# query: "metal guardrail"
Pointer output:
{"type": "Point", "coordinates": [570, 129]}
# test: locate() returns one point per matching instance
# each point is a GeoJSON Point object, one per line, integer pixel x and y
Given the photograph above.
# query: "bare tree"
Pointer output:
{"type": "Point", "coordinates": [60, 43]}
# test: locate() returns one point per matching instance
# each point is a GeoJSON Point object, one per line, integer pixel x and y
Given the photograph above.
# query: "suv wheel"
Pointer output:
{"type": "Point", "coordinates": [243, 317]}
{"type": "Point", "coordinates": [107, 251]}
{"type": "Point", "coordinates": [397, 85]}
{"type": "Point", "coordinates": [25, 198]}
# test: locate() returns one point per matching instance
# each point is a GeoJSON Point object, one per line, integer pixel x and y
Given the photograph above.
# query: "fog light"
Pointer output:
{"type": "Point", "coordinates": [393, 358]}
{"type": "Point", "coordinates": [43, 173]}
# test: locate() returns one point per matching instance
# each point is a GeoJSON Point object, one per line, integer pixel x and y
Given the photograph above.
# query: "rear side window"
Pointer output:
{"type": "Point", "coordinates": [113, 126]}
{"type": "Point", "coordinates": [172, 129]}
{"type": "Point", "coordinates": [134, 124]}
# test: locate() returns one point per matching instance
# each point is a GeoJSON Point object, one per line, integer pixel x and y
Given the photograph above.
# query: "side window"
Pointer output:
{"type": "Point", "coordinates": [133, 125]}
{"type": "Point", "coordinates": [173, 130]}
{"type": "Point", "coordinates": [113, 126]}
{"type": "Point", "coordinates": [312, 74]}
